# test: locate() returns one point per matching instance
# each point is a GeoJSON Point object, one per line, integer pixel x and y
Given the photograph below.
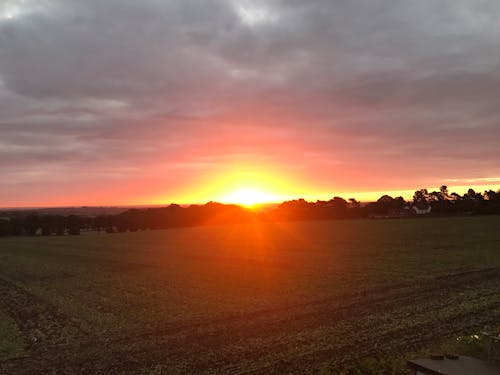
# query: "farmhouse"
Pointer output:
{"type": "Point", "coordinates": [422, 211]}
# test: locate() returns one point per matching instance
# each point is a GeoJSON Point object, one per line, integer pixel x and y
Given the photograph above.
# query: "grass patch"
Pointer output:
{"type": "Point", "coordinates": [11, 340]}
{"type": "Point", "coordinates": [359, 296]}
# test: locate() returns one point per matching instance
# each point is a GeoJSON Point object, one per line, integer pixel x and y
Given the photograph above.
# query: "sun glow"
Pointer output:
{"type": "Point", "coordinates": [248, 186]}
{"type": "Point", "coordinates": [248, 197]}
{"type": "Point", "coordinates": [242, 184]}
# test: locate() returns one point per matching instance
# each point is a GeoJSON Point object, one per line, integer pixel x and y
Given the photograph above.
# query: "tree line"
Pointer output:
{"type": "Point", "coordinates": [439, 202]}
{"type": "Point", "coordinates": [424, 202]}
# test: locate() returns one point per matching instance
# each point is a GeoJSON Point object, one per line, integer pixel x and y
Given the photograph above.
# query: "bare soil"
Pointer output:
{"type": "Point", "coordinates": [299, 338]}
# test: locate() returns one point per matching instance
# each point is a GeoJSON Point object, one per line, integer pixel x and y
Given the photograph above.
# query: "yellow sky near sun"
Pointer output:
{"type": "Point", "coordinates": [254, 185]}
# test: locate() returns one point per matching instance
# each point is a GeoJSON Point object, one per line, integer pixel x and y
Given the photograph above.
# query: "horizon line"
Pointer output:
{"type": "Point", "coordinates": [373, 196]}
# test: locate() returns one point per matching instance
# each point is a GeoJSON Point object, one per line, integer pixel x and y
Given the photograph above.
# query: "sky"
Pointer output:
{"type": "Point", "coordinates": [107, 102]}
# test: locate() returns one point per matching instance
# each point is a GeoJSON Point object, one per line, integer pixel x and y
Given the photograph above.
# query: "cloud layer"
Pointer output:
{"type": "Point", "coordinates": [157, 96]}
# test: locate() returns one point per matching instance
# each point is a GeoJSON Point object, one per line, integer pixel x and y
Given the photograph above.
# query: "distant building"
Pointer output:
{"type": "Point", "coordinates": [422, 211]}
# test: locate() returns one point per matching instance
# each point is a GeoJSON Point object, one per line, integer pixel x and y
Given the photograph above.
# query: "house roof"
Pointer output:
{"type": "Point", "coordinates": [461, 366]}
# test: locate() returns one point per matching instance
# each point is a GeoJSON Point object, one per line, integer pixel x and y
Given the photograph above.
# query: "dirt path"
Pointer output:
{"type": "Point", "coordinates": [288, 339]}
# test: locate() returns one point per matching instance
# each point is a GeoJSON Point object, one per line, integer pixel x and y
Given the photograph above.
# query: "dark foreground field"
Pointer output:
{"type": "Point", "coordinates": [248, 299]}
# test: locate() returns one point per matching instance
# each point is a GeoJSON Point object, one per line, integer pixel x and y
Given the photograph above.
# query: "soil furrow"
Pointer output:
{"type": "Point", "coordinates": [187, 344]}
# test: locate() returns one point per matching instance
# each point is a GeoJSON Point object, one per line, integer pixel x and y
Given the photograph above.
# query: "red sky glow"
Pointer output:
{"type": "Point", "coordinates": [126, 102]}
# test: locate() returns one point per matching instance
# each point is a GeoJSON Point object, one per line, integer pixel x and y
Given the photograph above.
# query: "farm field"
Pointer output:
{"type": "Point", "coordinates": [245, 299]}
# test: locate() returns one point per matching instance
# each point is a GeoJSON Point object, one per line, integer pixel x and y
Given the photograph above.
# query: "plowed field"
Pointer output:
{"type": "Point", "coordinates": [245, 299]}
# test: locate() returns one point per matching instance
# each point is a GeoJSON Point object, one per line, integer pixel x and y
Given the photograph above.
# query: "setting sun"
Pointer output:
{"type": "Point", "coordinates": [248, 197]}
{"type": "Point", "coordinates": [238, 183]}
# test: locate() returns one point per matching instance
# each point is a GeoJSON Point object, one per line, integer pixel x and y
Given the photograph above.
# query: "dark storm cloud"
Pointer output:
{"type": "Point", "coordinates": [117, 84]}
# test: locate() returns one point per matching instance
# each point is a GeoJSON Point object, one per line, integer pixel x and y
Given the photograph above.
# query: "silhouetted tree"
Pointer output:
{"type": "Point", "coordinates": [73, 223]}
{"type": "Point", "coordinates": [444, 192]}
{"type": "Point", "coordinates": [31, 224]}
{"type": "Point", "coordinates": [421, 199]}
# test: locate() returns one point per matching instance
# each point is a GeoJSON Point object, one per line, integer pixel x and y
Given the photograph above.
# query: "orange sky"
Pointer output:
{"type": "Point", "coordinates": [191, 101]}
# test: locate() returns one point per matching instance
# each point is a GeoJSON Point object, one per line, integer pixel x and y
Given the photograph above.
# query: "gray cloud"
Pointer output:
{"type": "Point", "coordinates": [142, 86]}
